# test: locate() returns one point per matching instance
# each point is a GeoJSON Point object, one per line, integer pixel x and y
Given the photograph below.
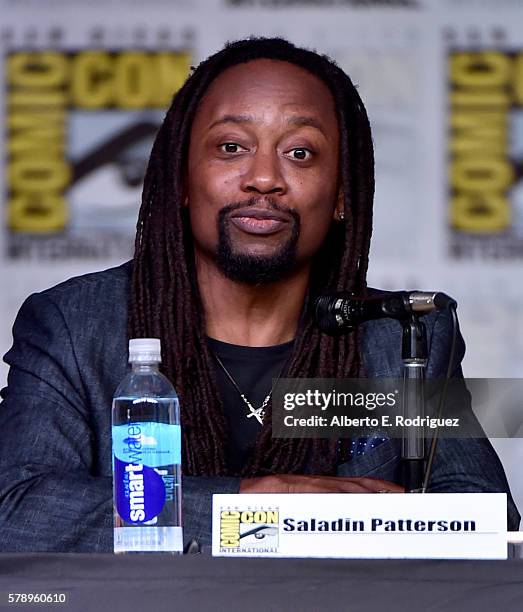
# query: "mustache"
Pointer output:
{"type": "Point", "coordinates": [271, 203]}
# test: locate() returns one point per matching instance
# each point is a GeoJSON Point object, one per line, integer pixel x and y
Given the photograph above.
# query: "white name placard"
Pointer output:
{"type": "Point", "coordinates": [360, 526]}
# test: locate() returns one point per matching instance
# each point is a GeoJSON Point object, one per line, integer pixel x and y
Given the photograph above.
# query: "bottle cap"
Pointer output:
{"type": "Point", "coordinates": [146, 350]}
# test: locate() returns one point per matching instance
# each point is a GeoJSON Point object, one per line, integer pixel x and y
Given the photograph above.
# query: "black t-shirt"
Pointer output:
{"type": "Point", "coordinates": [253, 368]}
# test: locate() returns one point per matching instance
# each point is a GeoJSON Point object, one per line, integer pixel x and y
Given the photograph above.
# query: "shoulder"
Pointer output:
{"type": "Point", "coordinates": [80, 324]}
{"type": "Point", "coordinates": [82, 298]}
{"type": "Point", "coordinates": [85, 308]}
{"type": "Point", "coordinates": [95, 286]}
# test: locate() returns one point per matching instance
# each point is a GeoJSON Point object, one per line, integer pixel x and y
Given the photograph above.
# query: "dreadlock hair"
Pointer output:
{"type": "Point", "coordinates": [165, 302]}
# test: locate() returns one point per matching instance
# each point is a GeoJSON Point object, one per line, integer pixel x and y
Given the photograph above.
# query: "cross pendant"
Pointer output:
{"type": "Point", "coordinates": [259, 413]}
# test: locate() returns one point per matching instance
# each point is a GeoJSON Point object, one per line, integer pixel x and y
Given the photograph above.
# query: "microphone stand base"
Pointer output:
{"type": "Point", "coordinates": [412, 476]}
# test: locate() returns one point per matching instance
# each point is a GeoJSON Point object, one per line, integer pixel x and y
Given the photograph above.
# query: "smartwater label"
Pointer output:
{"type": "Point", "coordinates": [149, 443]}
{"type": "Point", "coordinates": [139, 448]}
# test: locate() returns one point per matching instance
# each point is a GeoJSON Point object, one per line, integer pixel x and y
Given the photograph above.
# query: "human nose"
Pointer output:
{"type": "Point", "coordinates": [264, 174]}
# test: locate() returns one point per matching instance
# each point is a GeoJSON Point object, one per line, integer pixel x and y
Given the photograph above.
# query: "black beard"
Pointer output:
{"type": "Point", "coordinates": [255, 269]}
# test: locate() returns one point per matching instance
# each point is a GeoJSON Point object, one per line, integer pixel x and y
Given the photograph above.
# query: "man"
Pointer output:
{"type": "Point", "coordinates": [258, 195]}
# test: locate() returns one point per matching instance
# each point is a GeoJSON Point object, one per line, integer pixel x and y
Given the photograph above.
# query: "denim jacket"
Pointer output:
{"type": "Point", "coordinates": [68, 357]}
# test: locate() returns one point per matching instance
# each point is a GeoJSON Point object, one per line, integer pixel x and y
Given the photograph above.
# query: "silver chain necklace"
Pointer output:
{"type": "Point", "coordinates": [257, 413]}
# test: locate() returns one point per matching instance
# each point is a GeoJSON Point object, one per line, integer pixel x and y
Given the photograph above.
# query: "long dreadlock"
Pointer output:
{"type": "Point", "coordinates": [165, 302]}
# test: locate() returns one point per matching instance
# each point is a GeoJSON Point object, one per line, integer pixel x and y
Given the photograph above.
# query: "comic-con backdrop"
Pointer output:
{"type": "Point", "coordinates": [85, 84]}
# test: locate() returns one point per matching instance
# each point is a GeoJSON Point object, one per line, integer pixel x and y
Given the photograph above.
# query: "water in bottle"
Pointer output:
{"type": "Point", "coordinates": [146, 456]}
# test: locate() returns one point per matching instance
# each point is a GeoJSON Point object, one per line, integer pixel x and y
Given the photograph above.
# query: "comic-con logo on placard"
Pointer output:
{"type": "Point", "coordinates": [249, 530]}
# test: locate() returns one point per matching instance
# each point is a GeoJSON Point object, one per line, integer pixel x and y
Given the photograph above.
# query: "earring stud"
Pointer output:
{"type": "Point", "coordinates": [341, 215]}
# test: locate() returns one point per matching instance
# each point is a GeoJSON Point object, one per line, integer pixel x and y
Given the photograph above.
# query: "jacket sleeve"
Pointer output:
{"type": "Point", "coordinates": [467, 464]}
{"type": "Point", "coordinates": [51, 498]}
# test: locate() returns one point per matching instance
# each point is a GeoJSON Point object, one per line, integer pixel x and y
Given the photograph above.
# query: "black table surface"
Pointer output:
{"type": "Point", "coordinates": [152, 583]}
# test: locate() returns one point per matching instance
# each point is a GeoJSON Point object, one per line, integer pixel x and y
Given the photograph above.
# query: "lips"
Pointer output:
{"type": "Point", "coordinates": [262, 221]}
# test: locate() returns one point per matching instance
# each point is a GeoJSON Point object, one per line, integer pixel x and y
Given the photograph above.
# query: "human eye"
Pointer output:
{"type": "Point", "coordinates": [230, 147]}
{"type": "Point", "coordinates": [301, 154]}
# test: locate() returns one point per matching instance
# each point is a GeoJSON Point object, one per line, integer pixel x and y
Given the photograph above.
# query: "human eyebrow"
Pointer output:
{"type": "Point", "coordinates": [238, 119]}
{"type": "Point", "coordinates": [295, 120]}
{"type": "Point", "coordinates": [305, 120]}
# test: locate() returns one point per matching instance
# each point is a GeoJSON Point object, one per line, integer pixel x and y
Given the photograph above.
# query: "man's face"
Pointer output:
{"type": "Point", "coordinates": [262, 177]}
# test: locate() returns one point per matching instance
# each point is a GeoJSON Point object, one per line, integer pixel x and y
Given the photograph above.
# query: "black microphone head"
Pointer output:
{"type": "Point", "coordinates": [326, 317]}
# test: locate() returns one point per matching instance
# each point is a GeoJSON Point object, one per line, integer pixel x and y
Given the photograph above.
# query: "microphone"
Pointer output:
{"type": "Point", "coordinates": [342, 312]}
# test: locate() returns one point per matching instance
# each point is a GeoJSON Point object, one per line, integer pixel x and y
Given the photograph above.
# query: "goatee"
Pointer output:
{"type": "Point", "coordinates": [250, 268]}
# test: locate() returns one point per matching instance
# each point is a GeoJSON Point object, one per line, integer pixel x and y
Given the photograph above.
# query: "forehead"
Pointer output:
{"type": "Point", "coordinates": [264, 86]}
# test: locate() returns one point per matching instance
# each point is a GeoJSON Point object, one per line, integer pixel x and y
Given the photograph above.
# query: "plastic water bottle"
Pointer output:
{"type": "Point", "coordinates": [146, 456]}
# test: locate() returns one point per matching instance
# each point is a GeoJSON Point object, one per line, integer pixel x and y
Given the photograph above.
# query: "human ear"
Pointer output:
{"type": "Point", "coordinates": [184, 197]}
{"type": "Point", "coordinates": [339, 210]}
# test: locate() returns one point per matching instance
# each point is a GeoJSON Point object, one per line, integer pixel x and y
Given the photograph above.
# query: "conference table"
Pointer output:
{"type": "Point", "coordinates": [199, 582]}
